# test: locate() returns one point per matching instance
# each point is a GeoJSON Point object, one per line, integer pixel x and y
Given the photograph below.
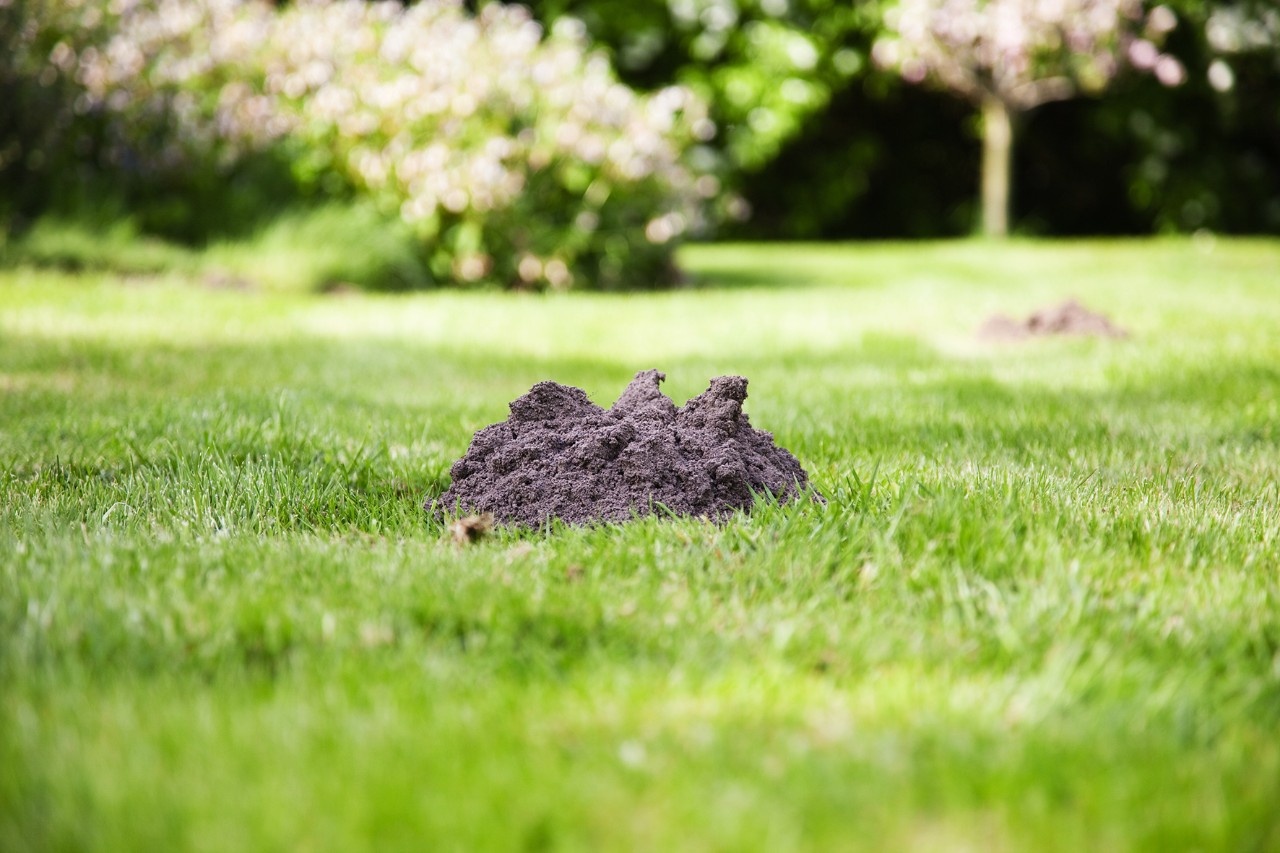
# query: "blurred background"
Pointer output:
{"type": "Point", "coordinates": [574, 143]}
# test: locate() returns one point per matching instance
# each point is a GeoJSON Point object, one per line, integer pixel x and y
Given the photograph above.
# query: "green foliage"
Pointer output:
{"type": "Point", "coordinates": [766, 68]}
{"type": "Point", "coordinates": [1039, 610]}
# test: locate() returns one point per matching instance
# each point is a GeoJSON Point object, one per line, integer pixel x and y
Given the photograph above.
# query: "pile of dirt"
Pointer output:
{"type": "Point", "coordinates": [1068, 318]}
{"type": "Point", "coordinates": [561, 456]}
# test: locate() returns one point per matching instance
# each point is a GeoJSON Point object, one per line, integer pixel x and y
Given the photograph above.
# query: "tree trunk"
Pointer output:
{"type": "Point", "coordinates": [997, 170]}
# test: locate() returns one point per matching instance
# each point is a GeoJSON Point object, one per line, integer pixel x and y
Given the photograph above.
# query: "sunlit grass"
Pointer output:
{"type": "Point", "coordinates": [1040, 610]}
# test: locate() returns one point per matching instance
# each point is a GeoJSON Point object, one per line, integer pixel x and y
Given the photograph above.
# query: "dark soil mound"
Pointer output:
{"type": "Point", "coordinates": [561, 456]}
{"type": "Point", "coordinates": [1069, 318]}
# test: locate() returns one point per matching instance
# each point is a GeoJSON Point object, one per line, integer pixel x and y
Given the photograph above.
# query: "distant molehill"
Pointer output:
{"type": "Point", "coordinates": [1067, 318]}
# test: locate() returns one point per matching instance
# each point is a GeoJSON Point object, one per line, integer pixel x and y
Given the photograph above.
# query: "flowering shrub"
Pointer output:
{"type": "Point", "coordinates": [515, 157]}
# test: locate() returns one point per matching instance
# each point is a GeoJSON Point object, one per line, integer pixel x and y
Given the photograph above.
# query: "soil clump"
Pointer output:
{"type": "Point", "coordinates": [1067, 318]}
{"type": "Point", "coordinates": [561, 456]}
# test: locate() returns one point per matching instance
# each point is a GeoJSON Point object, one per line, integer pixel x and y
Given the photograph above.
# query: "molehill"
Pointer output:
{"type": "Point", "coordinates": [1067, 318]}
{"type": "Point", "coordinates": [561, 456]}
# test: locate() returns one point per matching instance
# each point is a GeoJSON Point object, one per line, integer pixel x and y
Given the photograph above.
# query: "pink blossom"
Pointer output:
{"type": "Point", "coordinates": [1143, 54]}
{"type": "Point", "coordinates": [1169, 71]}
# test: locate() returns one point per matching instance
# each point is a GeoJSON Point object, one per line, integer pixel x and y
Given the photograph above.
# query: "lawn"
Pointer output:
{"type": "Point", "coordinates": [1040, 610]}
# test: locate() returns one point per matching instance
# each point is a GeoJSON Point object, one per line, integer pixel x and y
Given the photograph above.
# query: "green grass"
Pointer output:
{"type": "Point", "coordinates": [1041, 609]}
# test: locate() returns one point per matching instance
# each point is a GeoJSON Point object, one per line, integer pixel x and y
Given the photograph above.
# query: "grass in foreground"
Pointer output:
{"type": "Point", "coordinates": [1041, 609]}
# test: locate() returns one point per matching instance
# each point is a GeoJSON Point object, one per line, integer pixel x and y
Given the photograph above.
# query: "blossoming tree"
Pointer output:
{"type": "Point", "coordinates": [1010, 56]}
